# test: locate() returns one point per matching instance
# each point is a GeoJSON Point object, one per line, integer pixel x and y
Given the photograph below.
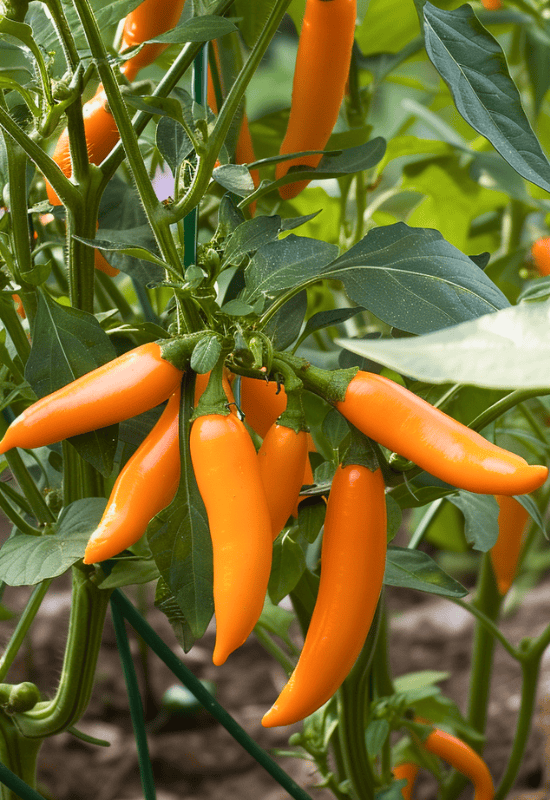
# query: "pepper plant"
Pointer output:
{"type": "Point", "coordinates": [334, 350]}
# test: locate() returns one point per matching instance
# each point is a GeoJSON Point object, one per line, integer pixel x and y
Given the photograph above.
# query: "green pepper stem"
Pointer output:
{"type": "Point", "coordinates": [23, 625]}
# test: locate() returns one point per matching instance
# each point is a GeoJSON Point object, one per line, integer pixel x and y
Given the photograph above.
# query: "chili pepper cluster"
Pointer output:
{"type": "Point", "coordinates": [249, 496]}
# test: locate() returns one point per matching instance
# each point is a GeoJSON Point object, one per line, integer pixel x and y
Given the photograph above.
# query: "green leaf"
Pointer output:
{"type": "Point", "coordinates": [311, 515]}
{"type": "Point", "coordinates": [418, 680]}
{"type": "Point", "coordinates": [249, 236]}
{"type": "Point", "coordinates": [437, 284]}
{"type": "Point", "coordinates": [197, 29]}
{"type": "Point", "coordinates": [473, 66]}
{"type": "Point", "coordinates": [206, 353]}
{"type": "Point", "coordinates": [130, 572]}
{"type": "Point", "coordinates": [27, 560]}
{"type": "Point", "coordinates": [276, 620]}
{"type": "Point", "coordinates": [237, 308]}
{"type": "Point", "coordinates": [68, 343]}
{"type": "Point", "coordinates": [286, 263]}
{"type": "Point", "coordinates": [509, 349]}
{"type": "Point", "coordinates": [287, 567]}
{"type": "Point", "coordinates": [394, 516]}
{"type": "Point", "coordinates": [252, 17]}
{"type": "Point", "coordinates": [235, 178]}
{"type": "Point", "coordinates": [325, 319]}
{"type": "Point", "coordinates": [173, 142]}
{"type": "Point", "coordinates": [284, 326]}
{"type": "Point", "coordinates": [480, 517]}
{"type": "Point", "coordinates": [376, 734]}
{"type": "Point", "coordinates": [122, 219]}
{"type": "Point", "coordinates": [120, 241]}
{"type": "Point", "coordinates": [179, 536]}
{"type": "Point", "coordinates": [413, 569]}
{"type": "Point", "coordinates": [167, 603]}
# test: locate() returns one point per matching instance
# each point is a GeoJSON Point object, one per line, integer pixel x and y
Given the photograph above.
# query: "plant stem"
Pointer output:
{"type": "Point", "coordinates": [227, 112]}
{"type": "Point", "coordinates": [23, 625]}
{"type": "Point", "coordinates": [153, 208]}
{"type": "Point", "coordinates": [530, 672]}
{"type": "Point", "coordinates": [273, 649]}
{"type": "Point", "coordinates": [425, 523]}
{"type": "Point", "coordinates": [88, 608]}
{"type": "Point", "coordinates": [64, 32]}
{"type": "Point", "coordinates": [15, 517]}
{"type": "Point", "coordinates": [18, 762]}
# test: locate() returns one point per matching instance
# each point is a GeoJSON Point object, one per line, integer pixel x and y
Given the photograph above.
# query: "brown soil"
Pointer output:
{"type": "Point", "coordinates": [196, 759]}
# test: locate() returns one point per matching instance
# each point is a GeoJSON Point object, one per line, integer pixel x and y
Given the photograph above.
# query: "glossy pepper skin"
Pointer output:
{"type": "Point", "coordinates": [320, 75]}
{"type": "Point", "coordinates": [151, 18]}
{"type": "Point", "coordinates": [491, 5]}
{"type": "Point", "coordinates": [101, 136]}
{"type": "Point", "coordinates": [262, 403]}
{"type": "Point", "coordinates": [403, 422]}
{"type": "Point", "coordinates": [406, 771]}
{"type": "Point", "coordinates": [464, 759]}
{"type": "Point", "coordinates": [540, 253]}
{"type": "Point", "coordinates": [353, 558]}
{"type": "Point", "coordinates": [227, 473]}
{"type": "Point", "coordinates": [282, 460]}
{"type": "Point", "coordinates": [124, 387]}
{"type": "Point", "coordinates": [146, 484]}
{"type": "Point", "coordinates": [512, 522]}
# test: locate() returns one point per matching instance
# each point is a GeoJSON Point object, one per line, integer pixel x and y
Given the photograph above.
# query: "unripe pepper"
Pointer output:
{"type": "Point", "coordinates": [540, 253]}
{"type": "Point", "coordinates": [124, 387]}
{"type": "Point", "coordinates": [227, 473]}
{"type": "Point", "coordinates": [403, 422]}
{"type": "Point", "coordinates": [464, 759]}
{"type": "Point", "coordinates": [353, 558]}
{"type": "Point", "coordinates": [262, 403]}
{"type": "Point", "coordinates": [150, 19]}
{"type": "Point", "coordinates": [320, 75]}
{"type": "Point", "coordinates": [406, 771]}
{"type": "Point", "coordinates": [282, 459]}
{"type": "Point", "coordinates": [146, 484]}
{"type": "Point", "coordinates": [512, 522]}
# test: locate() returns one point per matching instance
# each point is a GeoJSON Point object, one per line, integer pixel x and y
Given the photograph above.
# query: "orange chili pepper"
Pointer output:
{"type": "Point", "coordinates": [262, 403]}
{"type": "Point", "coordinates": [146, 484]}
{"type": "Point", "coordinates": [403, 422]}
{"type": "Point", "coordinates": [540, 253]}
{"type": "Point", "coordinates": [124, 387]}
{"type": "Point", "coordinates": [406, 771]}
{"type": "Point", "coordinates": [227, 473]}
{"type": "Point", "coordinates": [19, 306]}
{"type": "Point", "coordinates": [282, 459]}
{"type": "Point", "coordinates": [491, 5]}
{"type": "Point", "coordinates": [463, 758]}
{"type": "Point", "coordinates": [322, 66]}
{"type": "Point", "coordinates": [512, 523]}
{"type": "Point", "coordinates": [150, 19]}
{"type": "Point", "coordinates": [353, 557]}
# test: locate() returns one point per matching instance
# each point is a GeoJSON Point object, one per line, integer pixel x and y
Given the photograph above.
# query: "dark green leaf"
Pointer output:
{"type": "Point", "coordinates": [172, 141]}
{"type": "Point", "coordinates": [235, 178]}
{"type": "Point", "coordinates": [394, 516]}
{"type": "Point", "coordinates": [206, 353]}
{"type": "Point", "coordinates": [413, 569]}
{"type": "Point", "coordinates": [27, 560]}
{"type": "Point", "coordinates": [324, 319]}
{"type": "Point", "coordinates": [179, 536]}
{"type": "Point", "coordinates": [237, 308]}
{"type": "Point", "coordinates": [122, 219]}
{"type": "Point", "coordinates": [166, 602]}
{"type": "Point", "coordinates": [480, 518]}
{"type": "Point", "coordinates": [287, 567]}
{"type": "Point", "coordinates": [289, 262]}
{"type": "Point", "coordinates": [284, 326]}
{"type": "Point", "coordinates": [68, 343]}
{"type": "Point", "coordinates": [473, 66]}
{"type": "Point", "coordinates": [252, 18]}
{"type": "Point", "coordinates": [311, 515]}
{"type": "Point", "coordinates": [376, 734]}
{"type": "Point", "coordinates": [392, 792]}
{"type": "Point", "coordinates": [437, 285]}
{"type": "Point", "coordinates": [123, 243]}
{"type": "Point", "coordinates": [161, 106]}
{"type": "Point", "coordinates": [229, 217]}
{"type": "Point", "coordinates": [249, 236]}
{"type": "Point", "coordinates": [295, 222]}
{"type": "Point", "coordinates": [197, 29]}
{"type": "Point", "coordinates": [130, 572]}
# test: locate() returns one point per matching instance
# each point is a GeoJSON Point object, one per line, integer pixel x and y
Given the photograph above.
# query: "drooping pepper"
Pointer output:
{"type": "Point", "coordinates": [352, 570]}
{"type": "Point", "coordinates": [512, 522]}
{"type": "Point", "coordinates": [146, 484]}
{"type": "Point", "coordinates": [227, 473]}
{"type": "Point", "coordinates": [124, 387]}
